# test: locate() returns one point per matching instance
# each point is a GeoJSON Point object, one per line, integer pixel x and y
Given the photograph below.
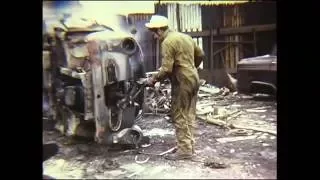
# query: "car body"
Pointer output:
{"type": "Point", "coordinates": [92, 76]}
{"type": "Point", "coordinates": [258, 74]}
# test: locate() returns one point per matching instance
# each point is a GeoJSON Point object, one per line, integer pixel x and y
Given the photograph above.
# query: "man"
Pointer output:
{"type": "Point", "coordinates": [181, 57]}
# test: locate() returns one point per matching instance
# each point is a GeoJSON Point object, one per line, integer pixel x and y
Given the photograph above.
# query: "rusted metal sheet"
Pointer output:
{"type": "Point", "coordinates": [98, 79]}
{"type": "Point", "coordinates": [172, 16]}
{"type": "Point", "coordinates": [86, 79]}
{"type": "Point", "coordinates": [136, 17]}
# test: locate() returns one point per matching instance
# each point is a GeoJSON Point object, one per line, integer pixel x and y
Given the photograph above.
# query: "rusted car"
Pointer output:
{"type": "Point", "coordinates": [258, 74]}
{"type": "Point", "coordinates": [93, 82]}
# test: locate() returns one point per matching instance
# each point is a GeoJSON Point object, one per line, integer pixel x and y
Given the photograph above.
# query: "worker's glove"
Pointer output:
{"type": "Point", "coordinates": [151, 81]}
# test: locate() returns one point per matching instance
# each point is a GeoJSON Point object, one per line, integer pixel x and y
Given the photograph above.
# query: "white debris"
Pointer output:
{"type": "Point", "coordinates": [265, 144]}
{"type": "Point", "coordinates": [272, 137]}
{"type": "Point", "coordinates": [211, 90]}
{"type": "Point", "coordinates": [235, 105]}
{"type": "Point", "coordinates": [262, 137]}
{"type": "Point", "coordinates": [237, 138]}
{"type": "Point", "coordinates": [256, 110]}
{"type": "Point", "coordinates": [270, 119]}
{"type": "Point", "coordinates": [246, 97]}
{"type": "Point", "coordinates": [158, 132]}
{"type": "Point", "coordinates": [145, 145]}
{"type": "Point", "coordinates": [114, 173]}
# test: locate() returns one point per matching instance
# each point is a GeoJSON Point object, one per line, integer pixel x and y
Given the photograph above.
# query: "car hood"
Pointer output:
{"type": "Point", "coordinates": [266, 59]}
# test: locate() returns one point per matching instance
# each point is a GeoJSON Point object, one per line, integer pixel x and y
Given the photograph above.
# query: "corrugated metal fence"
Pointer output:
{"type": "Point", "coordinates": [185, 18]}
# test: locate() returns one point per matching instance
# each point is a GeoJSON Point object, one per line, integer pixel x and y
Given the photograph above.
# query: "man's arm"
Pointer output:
{"type": "Point", "coordinates": [198, 55]}
{"type": "Point", "coordinates": [167, 62]}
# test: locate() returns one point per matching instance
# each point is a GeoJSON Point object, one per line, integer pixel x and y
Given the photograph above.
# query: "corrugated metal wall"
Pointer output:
{"type": "Point", "coordinates": [186, 18]}
{"type": "Point", "coordinates": [182, 18]}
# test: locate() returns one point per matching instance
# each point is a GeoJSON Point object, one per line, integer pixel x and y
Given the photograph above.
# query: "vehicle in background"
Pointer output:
{"type": "Point", "coordinates": [258, 74]}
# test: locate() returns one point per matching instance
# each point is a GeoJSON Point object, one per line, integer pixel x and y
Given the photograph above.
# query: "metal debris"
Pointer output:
{"type": "Point", "coordinates": [152, 154]}
{"type": "Point", "coordinates": [213, 107]}
{"type": "Point", "coordinates": [141, 162]}
{"type": "Point", "coordinates": [158, 99]}
{"type": "Point", "coordinates": [171, 150]}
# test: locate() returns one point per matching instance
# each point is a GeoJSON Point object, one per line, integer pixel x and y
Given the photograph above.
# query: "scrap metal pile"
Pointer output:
{"type": "Point", "coordinates": [215, 106]}
{"type": "Point", "coordinates": [158, 98]}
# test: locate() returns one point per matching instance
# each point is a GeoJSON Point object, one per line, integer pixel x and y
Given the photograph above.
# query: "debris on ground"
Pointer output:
{"type": "Point", "coordinates": [237, 138]}
{"type": "Point", "coordinates": [158, 132]}
{"type": "Point", "coordinates": [230, 126]}
{"type": "Point", "coordinates": [158, 98]}
{"type": "Point", "coordinates": [209, 108]}
{"type": "Point", "coordinates": [240, 132]}
{"type": "Point", "coordinates": [274, 132]}
{"type": "Point", "coordinates": [213, 163]}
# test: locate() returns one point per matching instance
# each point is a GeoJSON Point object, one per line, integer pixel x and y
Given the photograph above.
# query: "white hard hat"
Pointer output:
{"type": "Point", "coordinates": [157, 21]}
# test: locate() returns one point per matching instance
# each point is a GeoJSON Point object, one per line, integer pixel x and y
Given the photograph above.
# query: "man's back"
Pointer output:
{"type": "Point", "coordinates": [182, 47]}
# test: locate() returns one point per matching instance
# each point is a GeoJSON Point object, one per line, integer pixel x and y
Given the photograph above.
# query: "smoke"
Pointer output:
{"type": "Point", "coordinates": [114, 13]}
{"type": "Point", "coordinates": [109, 13]}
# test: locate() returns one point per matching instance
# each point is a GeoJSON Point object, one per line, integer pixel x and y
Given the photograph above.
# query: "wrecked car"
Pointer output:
{"type": "Point", "coordinates": [258, 74]}
{"type": "Point", "coordinates": [92, 82]}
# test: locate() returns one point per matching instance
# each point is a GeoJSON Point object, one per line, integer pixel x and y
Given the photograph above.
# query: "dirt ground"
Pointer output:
{"type": "Point", "coordinates": [246, 159]}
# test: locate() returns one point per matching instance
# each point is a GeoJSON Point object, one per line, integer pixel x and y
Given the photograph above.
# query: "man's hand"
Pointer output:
{"type": "Point", "coordinates": [151, 81]}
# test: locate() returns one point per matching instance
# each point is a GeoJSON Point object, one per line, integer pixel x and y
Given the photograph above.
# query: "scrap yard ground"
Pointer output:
{"type": "Point", "coordinates": [249, 152]}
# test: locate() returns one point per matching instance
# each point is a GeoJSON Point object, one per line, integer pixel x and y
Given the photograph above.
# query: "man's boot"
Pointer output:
{"type": "Point", "coordinates": [179, 156]}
